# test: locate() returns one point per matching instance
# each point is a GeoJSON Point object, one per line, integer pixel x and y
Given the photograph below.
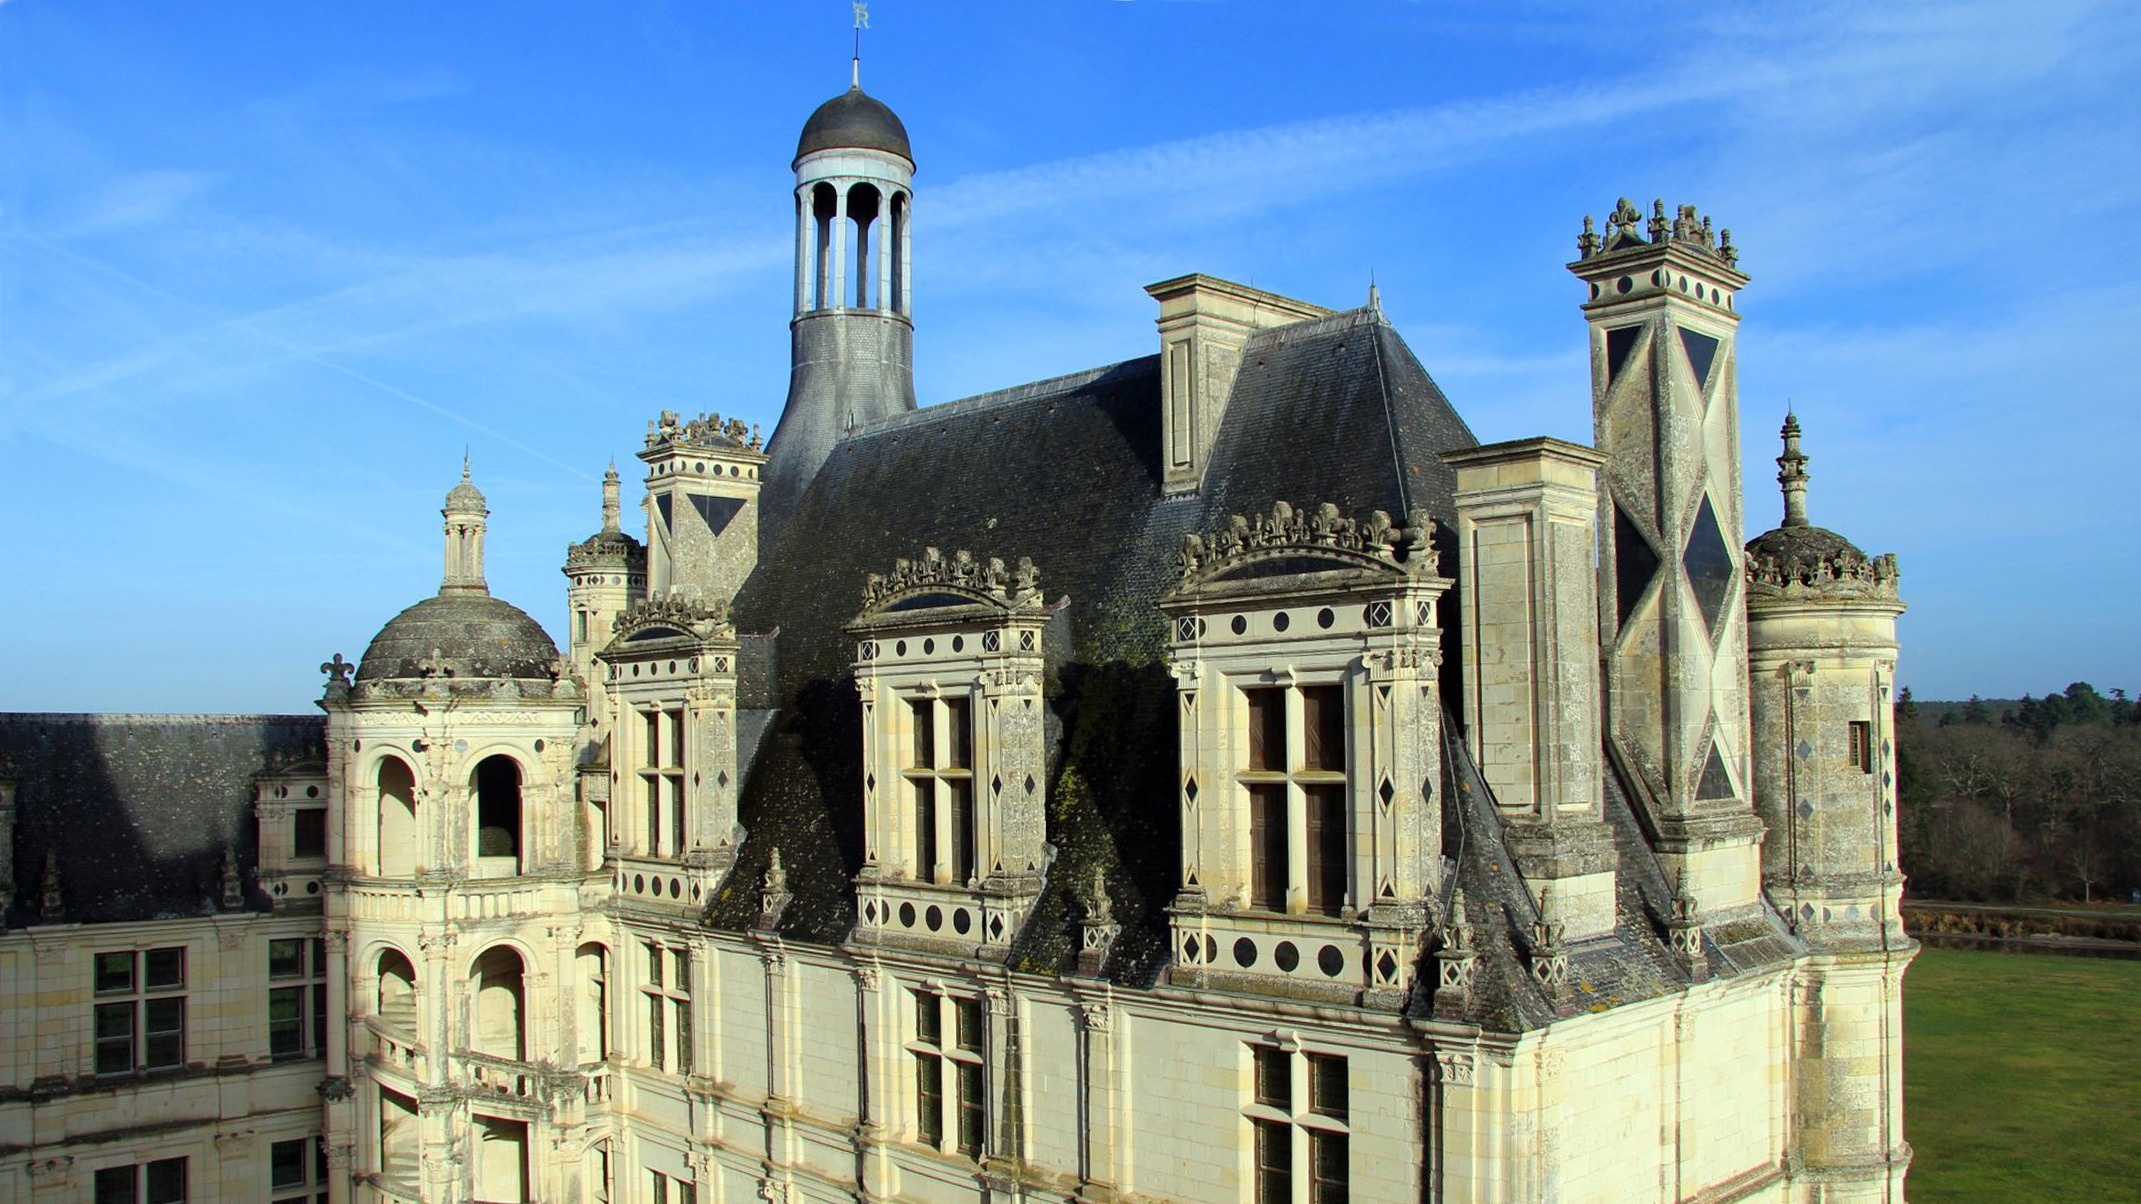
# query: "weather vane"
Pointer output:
{"type": "Point", "coordinates": [862, 15]}
{"type": "Point", "coordinates": [862, 22]}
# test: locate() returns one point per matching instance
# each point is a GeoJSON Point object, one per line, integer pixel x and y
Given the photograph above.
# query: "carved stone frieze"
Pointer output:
{"type": "Point", "coordinates": [1326, 532]}
{"type": "Point", "coordinates": [709, 431]}
{"type": "Point", "coordinates": [960, 573]}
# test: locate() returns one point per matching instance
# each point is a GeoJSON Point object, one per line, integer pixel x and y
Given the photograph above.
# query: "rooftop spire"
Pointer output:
{"type": "Point", "coordinates": [862, 22]}
{"type": "Point", "coordinates": [1791, 472]}
{"type": "Point", "coordinates": [465, 511]}
{"type": "Point", "coordinates": [609, 500]}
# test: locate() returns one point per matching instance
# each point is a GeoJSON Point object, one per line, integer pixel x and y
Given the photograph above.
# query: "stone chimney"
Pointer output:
{"type": "Point", "coordinates": [1204, 324]}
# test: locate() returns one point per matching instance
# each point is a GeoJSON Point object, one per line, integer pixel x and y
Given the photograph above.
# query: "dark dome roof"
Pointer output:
{"type": "Point", "coordinates": [482, 636]}
{"type": "Point", "coordinates": [854, 120]}
{"type": "Point", "coordinates": [1807, 545]}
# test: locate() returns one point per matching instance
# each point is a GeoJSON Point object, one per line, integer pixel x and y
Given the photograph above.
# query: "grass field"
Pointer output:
{"type": "Point", "coordinates": [2022, 1077]}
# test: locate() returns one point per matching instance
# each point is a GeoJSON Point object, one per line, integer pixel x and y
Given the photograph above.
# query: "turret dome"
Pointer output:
{"type": "Point", "coordinates": [461, 636]}
{"type": "Point", "coordinates": [854, 120]}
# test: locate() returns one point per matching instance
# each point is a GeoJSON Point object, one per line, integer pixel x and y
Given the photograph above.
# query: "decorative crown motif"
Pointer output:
{"type": "Point", "coordinates": [709, 431]}
{"type": "Point", "coordinates": [679, 611]}
{"type": "Point", "coordinates": [1625, 227]}
{"type": "Point", "coordinates": [959, 571]}
{"type": "Point", "coordinates": [1842, 573]}
{"type": "Point", "coordinates": [1320, 531]}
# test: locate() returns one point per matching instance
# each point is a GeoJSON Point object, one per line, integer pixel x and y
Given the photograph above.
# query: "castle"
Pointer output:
{"type": "Point", "coordinates": [1208, 777]}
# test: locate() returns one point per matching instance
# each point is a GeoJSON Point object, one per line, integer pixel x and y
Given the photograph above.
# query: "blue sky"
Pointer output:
{"type": "Point", "coordinates": [266, 269]}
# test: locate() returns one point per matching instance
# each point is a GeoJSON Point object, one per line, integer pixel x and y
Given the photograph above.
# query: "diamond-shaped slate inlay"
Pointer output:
{"type": "Point", "coordinates": [996, 784]}
{"type": "Point", "coordinates": [1386, 793]}
{"type": "Point", "coordinates": [1386, 966]}
{"type": "Point", "coordinates": [1029, 783]}
{"type": "Point", "coordinates": [1714, 784]}
{"type": "Point", "coordinates": [1708, 561]}
{"type": "Point", "coordinates": [1618, 344]}
{"type": "Point", "coordinates": [1635, 562]}
{"type": "Point", "coordinates": [1702, 352]}
{"type": "Point", "coordinates": [991, 642]}
{"type": "Point", "coordinates": [1189, 790]}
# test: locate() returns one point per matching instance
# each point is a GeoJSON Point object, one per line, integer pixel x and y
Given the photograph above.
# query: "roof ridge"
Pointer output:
{"type": "Point", "coordinates": [1051, 386]}
{"type": "Point", "coordinates": [1348, 319]}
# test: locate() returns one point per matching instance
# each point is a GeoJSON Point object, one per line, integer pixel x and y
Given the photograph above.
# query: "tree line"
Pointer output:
{"type": "Point", "coordinates": [2035, 800]}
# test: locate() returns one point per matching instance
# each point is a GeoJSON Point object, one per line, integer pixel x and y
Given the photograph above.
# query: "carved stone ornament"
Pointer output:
{"type": "Point", "coordinates": [336, 1089]}
{"type": "Point", "coordinates": [773, 896]}
{"type": "Point", "coordinates": [1549, 958]}
{"type": "Point", "coordinates": [230, 885]}
{"type": "Point", "coordinates": [1686, 228]}
{"type": "Point", "coordinates": [678, 612]}
{"type": "Point", "coordinates": [1683, 931]}
{"type": "Point", "coordinates": [338, 673]}
{"type": "Point", "coordinates": [51, 907]}
{"type": "Point", "coordinates": [1322, 533]}
{"type": "Point", "coordinates": [1456, 961]}
{"type": "Point", "coordinates": [1827, 573]}
{"type": "Point", "coordinates": [1454, 1068]}
{"type": "Point", "coordinates": [961, 574]}
{"type": "Point", "coordinates": [708, 431]}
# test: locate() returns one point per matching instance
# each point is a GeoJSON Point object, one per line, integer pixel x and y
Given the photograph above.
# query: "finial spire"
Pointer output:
{"type": "Point", "coordinates": [862, 22]}
{"type": "Point", "coordinates": [609, 500]}
{"type": "Point", "coordinates": [1791, 471]}
{"type": "Point", "coordinates": [1375, 297]}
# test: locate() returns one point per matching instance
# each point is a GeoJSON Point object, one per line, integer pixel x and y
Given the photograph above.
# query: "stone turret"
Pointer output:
{"type": "Point", "coordinates": [1821, 629]}
{"type": "Point", "coordinates": [852, 337]}
{"type": "Point", "coordinates": [1665, 404]}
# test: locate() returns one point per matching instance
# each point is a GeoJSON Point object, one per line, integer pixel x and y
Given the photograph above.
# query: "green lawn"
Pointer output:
{"type": "Point", "coordinates": [2022, 1077]}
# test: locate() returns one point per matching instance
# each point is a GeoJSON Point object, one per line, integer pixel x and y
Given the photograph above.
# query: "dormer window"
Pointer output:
{"type": "Point", "coordinates": [1305, 657]}
{"type": "Point", "coordinates": [949, 666]}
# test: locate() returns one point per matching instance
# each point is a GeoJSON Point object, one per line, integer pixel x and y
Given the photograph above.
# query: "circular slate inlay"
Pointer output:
{"type": "Point", "coordinates": [934, 917]}
{"type": "Point", "coordinates": [906, 915]}
{"type": "Point", "coordinates": [961, 921]}
{"type": "Point", "coordinates": [1280, 621]}
{"type": "Point", "coordinates": [1286, 956]}
{"type": "Point", "coordinates": [1240, 625]}
{"type": "Point", "coordinates": [1245, 953]}
{"type": "Point", "coordinates": [1325, 617]}
{"type": "Point", "coordinates": [1330, 961]}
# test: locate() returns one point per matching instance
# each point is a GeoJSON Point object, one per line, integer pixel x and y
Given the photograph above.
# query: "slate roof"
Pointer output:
{"type": "Point", "coordinates": [1067, 472]}
{"type": "Point", "coordinates": [140, 808]}
{"type": "Point", "coordinates": [485, 636]}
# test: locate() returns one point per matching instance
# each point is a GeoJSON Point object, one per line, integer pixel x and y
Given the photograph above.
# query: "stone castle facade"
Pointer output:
{"type": "Point", "coordinates": [1210, 777]}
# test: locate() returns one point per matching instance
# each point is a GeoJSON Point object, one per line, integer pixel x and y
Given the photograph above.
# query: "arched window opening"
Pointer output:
{"type": "Point", "coordinates": [863, 201]}
{"type": "Point", "coordinates": [594, 1016]}
{"type": "Point", "coordinates": [824, 206]}
{"type": "Point", "coordinates": [498, 834]}
{"type": "Point", "coordinates": [499, 1023]}
{"type": "Point", "coordinates": [398, 843]}
{"type": "Point", "coordinates": [896, 247]}
{"type": "Point", "coordinates": [397, 992]}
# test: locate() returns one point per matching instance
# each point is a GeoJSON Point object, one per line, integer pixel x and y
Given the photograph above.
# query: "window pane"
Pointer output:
{"type": "Point", "coordinates": [657, 1052]}
{"type": "Point", "coordinates": [1274, 1162]}
{"type": "Point", "coordinates": [115, 972]}
{"type": "Point", "coordinates": [310, 833]}
{"type": "Point", "coordinates": [1327, 1085]}
{"type": "Point", "coordinates": [1326, 848]}
{"type": "Point", "coordinates": [319, 1018]}
{"type": "Point", "coordinates": [651, 749]}
{"type": "Point", "coordinates": [115, 1038]}
{"type": "Point", "coordinates": [163, 1032]}
{"type": "Point", "coordinates": [925, 828]}
{"type": "Point", "coordinates": [115, 1185]}
{"type": "Point", "coordinates": [928, 1025]}
{"type": "Point", "coordinates": [1327, 1157]}
{"type": "Point", "coordinates": [286, 1022]}
{"type": "Point", "coordinates": [682, 1010]}
{"type": "Point", "coordinates": [972, 1115]}
{"type": "Point", "coordinates": [687, 1193]}
{"type": "Point", "coordinates": [929, 1098]}
{"type": "Point", "coordinates": [164, 969]}
{"type": "Point", "coordinates": [1267, 846]}
{"type": "Point", "coordinates": [1323, 728]}
{"type": "Point", "coordinates": [286, 959]}
{"type": "Point", "coordinates": [676, 739]}
{"type": "Point", "coordinates": [962, 799]}
{"type": "Point", "coordinates": [654, 965]}
{"type": "Point", "coordinates": [678, 824]}
{"type": "Point", "coordinates": [958, 734]}
{"type": "Point", "coordinates": [970, 1030]}
{"type": "Point", "coordinates": [1274, 1079]}
{"type": "Point", "coordinates": [167, 1182]}
{"type": "Point", "coordinates": [680, 965]}
{"type": "Point", "coordinates": [924, 753]}
{"type": "Point", "coordinates": [1267, 728]}
{"type": "Point", "coordinates": [661, 1187]}
{"type": "Point", "coordinates": [286, 1163]}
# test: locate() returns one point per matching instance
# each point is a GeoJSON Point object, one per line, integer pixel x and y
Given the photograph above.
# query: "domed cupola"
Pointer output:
{"type": "Point", "coordinates": [854, 120]}
{"type": "Point", "coordinates": [1798, 556]}
{"type": "Point", "coordinates": [462, 635]}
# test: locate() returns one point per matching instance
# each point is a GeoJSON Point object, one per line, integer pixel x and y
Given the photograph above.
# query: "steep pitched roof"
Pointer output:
{"type": "Point", "coordinates": [138, 809]}
{"type": "Point", "coordinates": [1066, 472]}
